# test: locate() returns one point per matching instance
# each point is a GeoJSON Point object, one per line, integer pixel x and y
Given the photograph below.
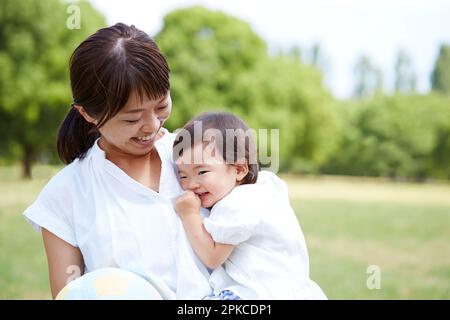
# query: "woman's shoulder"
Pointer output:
{"type": "Point", "coordinates": [62, 182]}
{"type": "Point", "coordinates": [68, 179]}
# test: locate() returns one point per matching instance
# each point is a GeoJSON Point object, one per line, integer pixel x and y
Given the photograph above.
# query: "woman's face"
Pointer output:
{"type": "Point", "coordinates": [134, 129]}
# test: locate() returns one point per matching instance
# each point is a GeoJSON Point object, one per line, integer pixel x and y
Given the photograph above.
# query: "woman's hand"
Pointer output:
{"type": "Point", "coordinates": [187, 203]}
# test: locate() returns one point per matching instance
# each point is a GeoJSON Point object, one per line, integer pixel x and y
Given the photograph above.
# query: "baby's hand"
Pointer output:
{"type": "Point", "coordinates": [188, 203]}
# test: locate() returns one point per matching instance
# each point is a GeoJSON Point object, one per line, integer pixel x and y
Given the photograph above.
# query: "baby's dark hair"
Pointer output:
{"type": "Point", "coordinates": [221, 126]}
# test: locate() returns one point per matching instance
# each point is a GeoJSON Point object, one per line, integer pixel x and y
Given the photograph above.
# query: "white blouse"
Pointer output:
{"type": "Point", "coordinates": [117, 222]}
{"type": "Point", "coordinates": [270, 258]}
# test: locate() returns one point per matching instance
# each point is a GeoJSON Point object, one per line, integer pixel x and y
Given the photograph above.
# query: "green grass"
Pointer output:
{"type": "Point", "coordinates": [349, 224]}
{"type": "Point", "coordinates": [408, 238]}
{"type": "Point", "coordinates": [23, 267]}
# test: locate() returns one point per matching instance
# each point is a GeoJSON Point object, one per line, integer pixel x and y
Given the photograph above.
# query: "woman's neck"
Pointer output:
{"type": "Point", "coordinates": [145, 169]}
{"type": "Point", "coordinates": [118, 156]}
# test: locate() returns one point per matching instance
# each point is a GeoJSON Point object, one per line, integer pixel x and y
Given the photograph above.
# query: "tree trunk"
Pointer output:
{"type": "Point", "coordinates": [27, 162]}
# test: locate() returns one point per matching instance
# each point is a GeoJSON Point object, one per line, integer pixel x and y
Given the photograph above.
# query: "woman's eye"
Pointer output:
{"type": "Point", "coordinates": [163, 107]}
{"type": "Point", "coordinates": [132, 121]}
{"type": "Point", "coordinates": [202, 172]}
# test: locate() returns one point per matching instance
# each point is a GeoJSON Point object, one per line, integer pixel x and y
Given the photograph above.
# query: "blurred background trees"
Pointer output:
{"type": "Point", "coordinates": [440, 79]}
{"type": "Point", "coordinates": [405, 78]}
{"type": "Point", "coordinates": [219, 63]}
{"type": "Point", "coordinates": [35, 46]}
{"type": "Point", "coordinates": [397, 136]}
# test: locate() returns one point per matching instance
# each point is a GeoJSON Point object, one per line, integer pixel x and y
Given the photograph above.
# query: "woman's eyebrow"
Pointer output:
{"type": "Point", "coordinates": [142, 109]}
{"type": "Point", "coordinates": [134, 111]}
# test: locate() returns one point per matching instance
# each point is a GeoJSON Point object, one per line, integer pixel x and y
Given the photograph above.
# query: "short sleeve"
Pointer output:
{"type": "Point", "coordinates": [233, 220]}
{"type": "Point", "coordinates": [52, 210]}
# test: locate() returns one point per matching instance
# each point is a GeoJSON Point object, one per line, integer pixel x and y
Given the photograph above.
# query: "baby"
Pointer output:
{"type": "Point", "coordinates": [251, 238]}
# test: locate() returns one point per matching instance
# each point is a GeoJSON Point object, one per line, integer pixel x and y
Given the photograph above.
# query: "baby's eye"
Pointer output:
{"type": "Point", "coordinates": [183, 177]}
{"type": "Point", "coordinates": [202, 172]}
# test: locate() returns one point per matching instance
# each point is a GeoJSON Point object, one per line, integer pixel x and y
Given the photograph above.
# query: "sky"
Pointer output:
{"type": "Point", "coordinates": [345, 30]}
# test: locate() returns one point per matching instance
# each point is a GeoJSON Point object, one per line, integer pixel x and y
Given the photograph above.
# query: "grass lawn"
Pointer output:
{"type": "Point", "coordinates": [349, 225]}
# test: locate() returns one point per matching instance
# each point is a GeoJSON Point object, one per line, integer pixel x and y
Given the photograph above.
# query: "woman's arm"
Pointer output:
{"type": "Point", "coordinates": [211, 253]}
{"type": "Point", "coordinates": [65, 262]}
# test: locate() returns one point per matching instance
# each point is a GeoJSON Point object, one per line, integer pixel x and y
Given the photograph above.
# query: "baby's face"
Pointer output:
{"type": "Point", "coordinates": [206, 174]}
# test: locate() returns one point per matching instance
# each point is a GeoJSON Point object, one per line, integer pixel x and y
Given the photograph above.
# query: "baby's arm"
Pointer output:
{"type": "Point", "coordinates": [211, 253]}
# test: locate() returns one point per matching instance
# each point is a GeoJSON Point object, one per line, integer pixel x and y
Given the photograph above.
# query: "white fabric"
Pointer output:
{"type": "Point", "coordinates": [118, 222]}
{"type": "Point", "coordinates": [270, 258]}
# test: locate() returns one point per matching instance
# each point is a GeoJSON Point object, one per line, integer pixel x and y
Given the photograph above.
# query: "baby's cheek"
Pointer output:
{"type": "Point", "coordinates": [183, 185]}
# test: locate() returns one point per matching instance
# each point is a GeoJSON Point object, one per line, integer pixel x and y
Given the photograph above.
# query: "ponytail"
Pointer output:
{"type": "Point", "coordinates": [75, 137]}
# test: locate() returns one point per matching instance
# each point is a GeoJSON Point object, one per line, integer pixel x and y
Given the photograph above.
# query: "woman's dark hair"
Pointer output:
{"type": "Point", "coordinates": [105, 69]}
{"type": "Point", "coordinates": [228, 127]}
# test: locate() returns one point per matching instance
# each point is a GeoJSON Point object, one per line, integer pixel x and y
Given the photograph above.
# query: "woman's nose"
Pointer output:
{"type": "Point", "coordinates": [151, 124]}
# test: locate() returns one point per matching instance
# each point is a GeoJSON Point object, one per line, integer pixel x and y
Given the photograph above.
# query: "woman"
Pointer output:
{"type": "Point", "coordinates": [110, 207]}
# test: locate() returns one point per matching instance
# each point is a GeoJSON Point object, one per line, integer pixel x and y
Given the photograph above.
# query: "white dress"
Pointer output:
{"type": "Point", "coordinates": [117, 222]}
{"type": "Point", "coordinates": [270, 258]}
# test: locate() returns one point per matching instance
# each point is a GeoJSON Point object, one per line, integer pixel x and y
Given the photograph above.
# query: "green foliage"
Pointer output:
{"type": "Point", "coordinates": [219, 63]}
{"type": "Point", "coordinates": [440, 78]}
{"type": "Point", "coordinates": [399, 137]}
{"type": "Point", "coordinates": [294, 101]}
{"type": "Point", "coordinates": [206, 50]}
{"type": "Point", "coordinates": [35, 47]}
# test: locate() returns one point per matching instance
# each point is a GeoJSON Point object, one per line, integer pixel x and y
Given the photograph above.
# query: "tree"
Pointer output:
{"type": "Point", "coordinates": [283, 94]}
{"type": "Point", "coordinates": [35, 46]}
{"type": "Point", "coordinates": [313, 56]}
{"type": "Point", "coordinates": [206, 51]}
{"type": "Point", "coordinates": [401, 136]}
{"type": "Point", "coordinates": [440, 78]}
{"type": "Point", "coordinates": [405, 78]}
{"type": "Point", "coordinates": [318, 58]}
{"type": "Point", "coordinates": [368, 78]}
{"type": "Point", "coordinates": [441, 154]}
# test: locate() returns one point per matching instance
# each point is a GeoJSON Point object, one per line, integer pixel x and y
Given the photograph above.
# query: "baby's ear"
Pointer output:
{"type": "Point", "coordinates": [241, 170]}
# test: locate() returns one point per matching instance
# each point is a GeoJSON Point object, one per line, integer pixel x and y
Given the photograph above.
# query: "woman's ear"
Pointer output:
{"type": "Point", "coordinates": [85, 115]}
{"type": "Point", "coordinates": [241, 171]}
